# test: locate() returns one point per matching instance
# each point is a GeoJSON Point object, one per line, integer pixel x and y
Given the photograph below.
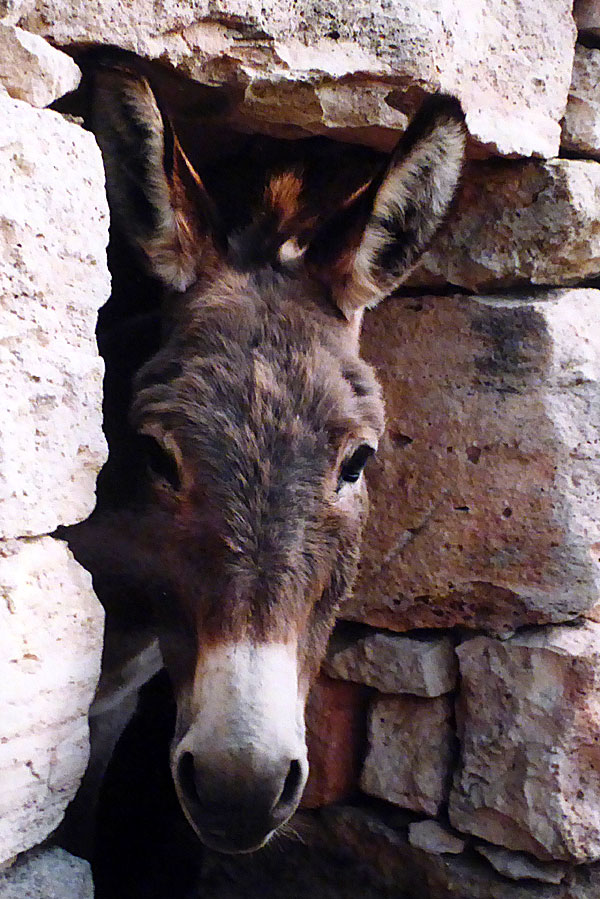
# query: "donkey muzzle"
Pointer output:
{"type": "Point", "coordinates": [241, 766]}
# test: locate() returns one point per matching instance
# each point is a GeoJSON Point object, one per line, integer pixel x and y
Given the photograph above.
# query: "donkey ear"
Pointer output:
{"type": "Point", "coordinates": [366, 250]}
{"type": "Point", "coordinates": [155, 195]}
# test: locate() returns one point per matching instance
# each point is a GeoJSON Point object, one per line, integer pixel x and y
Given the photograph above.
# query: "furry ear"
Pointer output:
{"type": "Point", "coordinates": [155, 195]}
{"type": "Point", "coordinates": [365, 251]}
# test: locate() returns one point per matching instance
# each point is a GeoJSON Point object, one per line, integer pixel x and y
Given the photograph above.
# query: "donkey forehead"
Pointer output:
{"type": "Point", "coordinates": [245, 364]}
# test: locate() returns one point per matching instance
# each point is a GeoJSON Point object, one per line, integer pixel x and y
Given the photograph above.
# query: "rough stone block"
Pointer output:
{"type": "Point", "coordinates": [431, 836]}
{"type": "Point", "coordinates": [423, 666]}
{"type": "Point", "coordinates": [519, 866]}
{"type": "Point", "coordinates": [518, 223]}
{"type": "Point", "coordinates": [485, 494]}
{"type": "Point", "coordinates": [48, 874]}
{"type": "Point", "coordinates": [581, 124]}
{"type": "Point", "coordinates": [32, 70]}
{"type": "Point", "coordinates": [529, 730]}
{"type": "Point", "coordinates": [51, 627]}
{"type": "Point", "coordinates": [510, 63]}
{"type": "Point", "coordinates": [411, 746]}
{"type": "Point", "coordinates": [335, 724]}
{"type": "Point", "coordinates": [53, 278]}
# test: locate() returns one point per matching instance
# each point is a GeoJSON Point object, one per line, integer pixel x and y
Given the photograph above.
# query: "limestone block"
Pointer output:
{"type": "Point", "coordinates": [587, 16]}
{"type": "Point", "coordinates": [529, 729]}
{"type": "Point", "coordinates": [517, 223]}
{"type": "Point", "coordinates": [335, 716]}
{"type": "Point", "coordinates": [510, 63]}
{"type": "Point", "coordinates": [581, 124]}
{"type": "Point", "coordinates": [50, 645]}
{"type": "Point", "coordinates": [48, 874]}
{"type": "Point", "coordinates": [53, 278]}
{"type": "Point", "coordinates": [431, 836]}
{"type": "Point", "coordinates": [423, 666]}
{"type": "Point", "coordinates": [411, 745]}
{"type": "Point", "coordinates": [384, 850]}
{"type": "Point", "coordinates": [32, 70]}
{"type": "Point", "coordinates": [519, 866]}
{"type": "Point", "coordinates": [485, 494]}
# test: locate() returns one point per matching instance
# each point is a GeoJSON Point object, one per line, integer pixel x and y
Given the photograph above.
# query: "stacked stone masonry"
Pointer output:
{"type": "Point", "coordinates": [53, 279]}
{"type": "Point", "coordinates": [463, 688]}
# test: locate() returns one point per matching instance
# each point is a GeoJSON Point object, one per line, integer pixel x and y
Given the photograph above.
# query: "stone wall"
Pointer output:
{"type": "Point", "coordinates": [53, 278]}
{"type": "Point", "coordinates": [461, 696]}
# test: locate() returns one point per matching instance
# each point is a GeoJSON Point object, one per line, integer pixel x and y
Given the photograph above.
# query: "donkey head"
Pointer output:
{"type": "Point", "coordinates": [256, 419]}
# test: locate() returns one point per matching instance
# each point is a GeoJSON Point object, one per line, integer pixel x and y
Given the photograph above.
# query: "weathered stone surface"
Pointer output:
{"type": "Point", "coordinates": [32, 70]}
{"type": "Point", "coordinates": [423, 666]}
{"type": "Point", "coordinates": [587, 16]}
{"type": "Point", "coordinates": [50, 645]}
{"type": "Point", "coordinates": [48, 874]}
{"type": "Point", "coordinates": [411, 745]}
{"type": "Point", "coordinates": [529, 728]}
{"type": "Point", "coordinates": [486, 490]}
{"type": "Point", "coordinates": [581, 124]}
{"type": "Point", "coordinates": [519, 866]}
{"type": "Point", "coordinates": [431, 836]}
{"type": "Point", "coordinates": [427, 875]}
{"type": "Point", "coordinates": [519, 222]}
{"type": "Point", "coordinates": [53, 278]}
{"type": "Point", "coordinates": [510, 63]}
{"type": "Point", "coordinates": [335, 717]}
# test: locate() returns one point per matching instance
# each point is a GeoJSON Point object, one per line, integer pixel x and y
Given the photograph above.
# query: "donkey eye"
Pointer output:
{"type": "Point", "coordinates": [352, 467]}
{"type": "Point", "coordinates": [159, 460]}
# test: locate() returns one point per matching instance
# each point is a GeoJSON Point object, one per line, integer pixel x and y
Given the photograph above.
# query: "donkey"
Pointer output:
{"type": "Point", "coordinates": [254, 419]}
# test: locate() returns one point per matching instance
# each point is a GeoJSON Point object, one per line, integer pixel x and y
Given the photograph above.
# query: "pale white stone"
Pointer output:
{"type": "Point", "coordinates": [50, 646]}
{"type": "Point", "coordinates": [32, 70]}
{"type": "Point", "coordinates": [410, 752]}
{"type": "Point", "coordinates": [519, 866]}
{"type": "Point", "coordinates": [510, 63]}
{"type": "Point", "coordinates": [581, 124]}
{"type": "Point", "coordinates": [53, 278]}
{"type": "Point", "coordinates": [529, 730]}
{"type": "Point", "coordinates": [423, 666]}
{"type": "Point", "coordinates": [431, 836]}
{"type": "Point", "coordinates": [48, 874]}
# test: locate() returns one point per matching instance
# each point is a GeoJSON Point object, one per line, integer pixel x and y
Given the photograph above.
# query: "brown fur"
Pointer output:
{"type": "Point", "coordinates": [244, 526]}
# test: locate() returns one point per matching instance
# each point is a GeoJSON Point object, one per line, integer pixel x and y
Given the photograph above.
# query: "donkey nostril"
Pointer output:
{"type": "Point", "coordinates": [292, 783]}
{"type": "Point", "coordinates": [186, 774]}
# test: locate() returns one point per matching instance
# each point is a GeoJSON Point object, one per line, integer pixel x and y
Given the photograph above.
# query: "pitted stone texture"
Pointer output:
{"type": "Point", "coordinates": [50, 645]}
{"type": "Point", "coordinates": [53, 278]}
{"type": "Point", "coordinates": [485, 493]}
{"type": "Point", "coordinates": [411, 746]}
{"type": "Point", "coordinates": [335, 716]}
{"type": "Point", "coordinates": [581, 124]}
{"type": "Point", "coordinates": [431, 836]}
{"type": "Point", "coordinates": [529, 729]}
{"type": "Point", "coordinates": [48, 874]}
{"type": "Point", "coordinates": [384, 850]}
{"type": "Point", "coordinates": [423, 666]}
{"type": "Point", "coordinates": [32, 70]}
{"type": "Point", "coordinates": [587, 16]}
{"type": "Point", "coordinates": [510, 63]}
{"type": "Point", "coordinates": [519, 222]}
{"type": "Point", "coordinates": [519, 866]}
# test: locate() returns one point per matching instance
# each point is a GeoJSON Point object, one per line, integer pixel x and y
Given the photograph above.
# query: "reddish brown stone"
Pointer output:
{"type": "Point", "coordinates": [335, 721]}
{"type": "Point", "coordinates": [485, 492]}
